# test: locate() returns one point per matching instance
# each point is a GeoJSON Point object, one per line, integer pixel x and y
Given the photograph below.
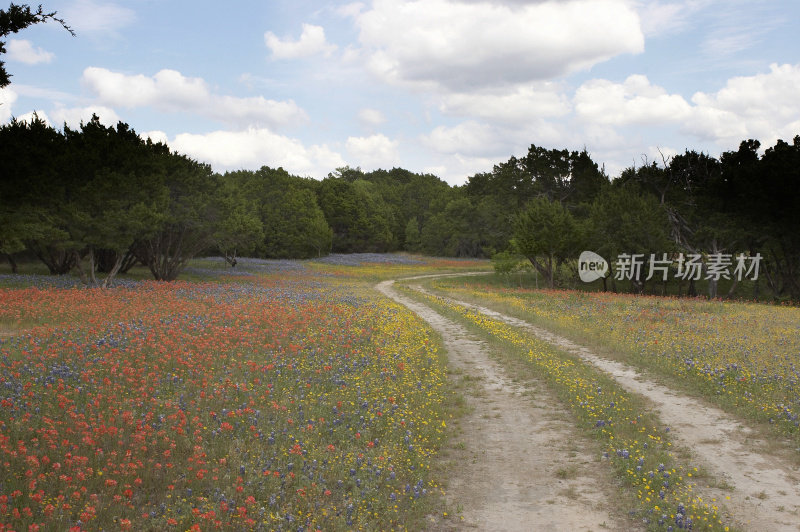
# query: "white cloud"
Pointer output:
{"type": "Point", "coordinates": [659, 154]}
{"type": "Point", "coordinates": [88, 16]}
{"type": "Point", "coordinates": [169, 90]}
{"type": "Point", "coordinates": [665, 17]}
{"type": "Point", "coordinates": [375, 151]}
{"type": "Point", "coordinates": [437, 170]}
{"type": "Point", "coordinates": [23, 51]}
{"type": "Point", "coordinates": [311, 42]}
{"type": "Point", "coordinates": [601, 136]}
{"type": "Point", "coordinates": [469, 137]}
{"type": "Point", "coordinates": [462, 46]}
{"type": "Point", "coordinates": [256, 147]}
{"type": "Point", "coordinates": [517, 104]}
{"type": "Point", "coordinates": [7, 99]}
{"type": "Point", "coordinates": [38, 92]}
{"type": "Point", "coordinates": [371, 117]}
{"type": "Point", "coordinates": [350, 10]}
{"type": "Point", "coordinates": [156, 136]}
{"type": "Point", "coordinates": [73, 116]}
{"type": "Point", "coordinates": [457, 168]}
{"type": "Point", "coordinates": [739, 26]}
{"type": "Point", "coordinates": [635, 101]}
{"type": "Point", "coordinates": [28, 117]}
{"type": "Point", "coordinates": [764, 106]}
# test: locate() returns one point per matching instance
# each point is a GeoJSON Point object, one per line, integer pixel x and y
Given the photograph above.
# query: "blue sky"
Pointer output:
{"type": "Point", "coordinates": [441, 86]}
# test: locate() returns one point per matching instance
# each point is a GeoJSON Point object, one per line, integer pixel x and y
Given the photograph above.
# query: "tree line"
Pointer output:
{"type": "Point", "coordinates": [99, 199]}
{"type": "Point", "coordinates": [741, 205]}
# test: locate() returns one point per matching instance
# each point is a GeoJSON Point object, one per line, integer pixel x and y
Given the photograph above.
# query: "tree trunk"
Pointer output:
{"type": "Point", "coordinates": [546, 269]}
{"type": "Point", "coordinates": [114, 270]}
{"type": "Point", "coordinates": [712, 288]}
{"type": "Point", "coordinates": [733, 288]}
{"type": "Point", "coordinates": [11, 262]}
{"type": "Point", "coordinates": [230, 258]}
{"type": "Point", "coordinates": [129, 260]}
{"type": "Point", "coordinates": [167, 253]}
{"type": "Point", "coordinates": [58, 261]}
{"type": "Point", "coordinates": [771, 282]}
{"type": "Point", "coordinates": [81, 273]}
{"type": "Point", "coordinates": [105, 259]}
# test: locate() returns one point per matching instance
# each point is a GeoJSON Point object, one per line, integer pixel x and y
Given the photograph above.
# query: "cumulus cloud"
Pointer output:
{"type": "Point", "coordinates": [462, 46]}
{"type": "Point", "coordinates": [374, 151]}
{"type": "Point", "coordinates": [23, 51]}
{"type": "Point", "coordinates": [635, 101]}
{"type": "Point", "coordinates": [155, 136]}
{"type": "Point", "coordinates": [764, 106]}
{"type": "Point", "coordinates": [41, 115]}
{"type": "Point", "coordinates": [517, 104]}
{"type": "Point", "coordinates": [371, 117]}
{"type": "Point", "coordinates": [73, 116]}
{"type": "Point", "coordinates": [311, 42]}
{"type": "Point", "coordinates": [89, 16]}
{"type": "Point", "coordinates": [255, 147]}
{"type": "Point", "coordinates": [350, 10]}
{"type": "Point", "coordinates": [603, 137]}
{"type": "Point", "coordinates": [661, 153]}
{"type": "Point", "coordinates": [169, 90]}
{"type": "Point", "coordinates": [457, 167]}
{"type": "Point", "coordinates": [468, 137]}
{"type": "Point", "coordinates": [7, 99]}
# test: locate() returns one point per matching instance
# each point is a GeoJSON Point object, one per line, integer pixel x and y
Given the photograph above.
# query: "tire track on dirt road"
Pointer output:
{"type": "Point", "coordinates": [518, 462]}
{"type": "Point", "coordinates": [766, 488]}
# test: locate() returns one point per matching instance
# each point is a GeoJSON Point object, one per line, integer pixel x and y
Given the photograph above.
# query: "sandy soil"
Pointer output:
{"type": "Point", "coordinates": [516, 462]}
{"type": "Point", "coordinates": [764, 490]}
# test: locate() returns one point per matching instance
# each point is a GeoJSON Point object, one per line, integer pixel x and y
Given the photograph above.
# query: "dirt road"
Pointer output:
{"type": "Point", "coordinates": [517, 462]}
{"type": "Point", "coordinates": [764, 490]}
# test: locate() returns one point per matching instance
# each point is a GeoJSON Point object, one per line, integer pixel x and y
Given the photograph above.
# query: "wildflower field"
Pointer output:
{"type": "Point", "coordinates": [288, 395]}
{"type": "Point", "coordinates": [660, 485]}
{"type": "Point", "coordinates": [295, 399]}
{"type": "Point", "coordinates": [741, 356]}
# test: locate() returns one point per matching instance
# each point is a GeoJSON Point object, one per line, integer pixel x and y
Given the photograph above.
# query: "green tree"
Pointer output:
{"type": "Point", "coordinates": [295, 226]}
{"type": "Point", "coordinates": [625, 220]}
{"type": "Point", "coordinates": [412, 236]}
{"type": "Point", "coordinates": [239, 228]}
{"type": "Point", "coordinates": [762, 193]}
{"type": "Point", "coordinates": [569, 177]}
{"type": "Point", "coordinates": [360, 219]}
{"type": "Point", "coordinates": [455, 232]}
{"type": "Point", "coordinates": [407, 195]}
{"type": "Point", "coordinates": [188, 223]}
{"type": "Point", "coordinates": [114, 194]}
{"type": "Point", "coordinates": [32, 194]}
{"type": "Point", "coordinates": [17, 18]}
{"type": "Point", "coordinates": [547, 234]}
